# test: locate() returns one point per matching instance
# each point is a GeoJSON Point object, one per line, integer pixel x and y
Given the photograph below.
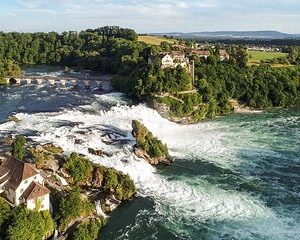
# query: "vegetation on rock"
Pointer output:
{"type": "Point", "coordinates": [146, 142]}
{"type": "Point", "coordinates": [18, 147]}
{"type": "Point", "coordinates": [88, 231]}
{"type": "Point", "coordinates": [79, 168]}
{"type": "Point", "coordinates": [46, 156]}
{"type": "Point", "coordinates": [121, 185]}
{"type": "Point", "coordinates": [71, 206]}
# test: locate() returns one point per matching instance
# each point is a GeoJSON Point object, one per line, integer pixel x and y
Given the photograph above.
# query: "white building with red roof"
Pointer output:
{"type": "Point", "coordinates": [21, 183]}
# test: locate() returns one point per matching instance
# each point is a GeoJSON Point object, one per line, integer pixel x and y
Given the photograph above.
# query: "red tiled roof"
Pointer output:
{"type": "Point", "coordinates": [201, 52]}
{"type": "Point", "coordinates": [34, 191]}
{"type": "Point", "coordinates": [17, 171]}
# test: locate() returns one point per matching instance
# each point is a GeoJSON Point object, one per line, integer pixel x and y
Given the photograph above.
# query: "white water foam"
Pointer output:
{"type": "Point", "coordinates": [173, 198]}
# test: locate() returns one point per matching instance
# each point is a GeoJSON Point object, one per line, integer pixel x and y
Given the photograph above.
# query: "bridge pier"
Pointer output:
{"type": "Point", "coordinates": [63, 82]}
{"type": "Point", "coordinates": [74, 82]}
{"type": "Point", "coordinates": [40, 81]}
{"type": "Point", "coordinates": [87, 83]}
{"type": "Point", "coordinates": [99, 83]}
{"type": "Point", "coordinates": [51, 81]}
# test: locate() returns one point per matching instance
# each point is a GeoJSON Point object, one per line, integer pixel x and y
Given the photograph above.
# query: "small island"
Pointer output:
{"type": "Point", "coordinates": [149, 147]}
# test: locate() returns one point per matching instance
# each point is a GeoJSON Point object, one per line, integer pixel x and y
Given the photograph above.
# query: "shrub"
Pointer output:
{"type": "Point", "coordinates": [79, 168]}
{"type": "Point", "coordinates": [18, 147]}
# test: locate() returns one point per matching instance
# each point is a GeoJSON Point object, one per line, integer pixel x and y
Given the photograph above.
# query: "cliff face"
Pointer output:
{"type": "Point", "coordinates": [149, 147]}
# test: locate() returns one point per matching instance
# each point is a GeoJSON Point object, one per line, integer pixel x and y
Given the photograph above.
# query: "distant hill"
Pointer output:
{"type": "Point", "coordinates": [232, 35]}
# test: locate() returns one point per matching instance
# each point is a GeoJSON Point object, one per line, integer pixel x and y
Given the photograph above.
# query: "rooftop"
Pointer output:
{"type": "Point", "coordinates": [15, 171]}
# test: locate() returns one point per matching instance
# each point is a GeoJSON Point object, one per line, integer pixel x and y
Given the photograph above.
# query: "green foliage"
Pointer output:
{"type": "Point", "coordinates": [88, 231]}
{"type": "Point", "coordinates": [71, 206]}
{"type": "Point", "coordinates": [79, 168]}
{"type": "Point", "coordinates": [5, 214]}
{"type": "Point", "coordinates": [31, 225]}
{"type": "Point", "coordinates": [119, 183]}
{"type": "Point", "coordinates": [95, 49]}
{"type": "Point", "coordinates": [2, 81]}
{"type": "Point", "coordinates": [150, 80]}
{"type": "Point", "coordinates": [18, 147]}
{"type": "Point", "coordinates": [294, 55]}
{"type": "Point", "coordinates": [111, 179]}
{"type": "Point", "coordinates": [147, 142]}
{"type": "Point", "coordinates": [257, 87]}
{"type": "Point", "coordinates": [185, 105]}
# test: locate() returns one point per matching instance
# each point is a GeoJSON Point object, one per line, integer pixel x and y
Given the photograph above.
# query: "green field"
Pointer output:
{"type": "Point", "coordinates": [256, 56]}
{"type": "Point", "coordinates": [154, 40]}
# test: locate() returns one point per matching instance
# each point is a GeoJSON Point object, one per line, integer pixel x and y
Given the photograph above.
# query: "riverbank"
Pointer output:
{"type": "Point", "coordinates": [233, 176]}
{"type": "Point", "coordinates": [99, 190]}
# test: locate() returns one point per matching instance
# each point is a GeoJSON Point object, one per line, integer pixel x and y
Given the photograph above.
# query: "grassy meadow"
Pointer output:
{"type": "Point", "coordinates": [256, 56]}
{"type": "Point", "coordinates": [154, 40]}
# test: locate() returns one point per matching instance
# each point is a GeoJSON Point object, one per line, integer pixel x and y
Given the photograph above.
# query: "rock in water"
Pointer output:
{"type": "Point", "coordinates": [149, 147]}
{"type": "Point", "coordinates": [13, 118]}
{"type": "Point", "coordinates": [99, 153]}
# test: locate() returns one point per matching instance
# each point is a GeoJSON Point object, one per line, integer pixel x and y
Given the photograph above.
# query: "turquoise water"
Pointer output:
{"type": "Point", "coordinates": [234, 177]}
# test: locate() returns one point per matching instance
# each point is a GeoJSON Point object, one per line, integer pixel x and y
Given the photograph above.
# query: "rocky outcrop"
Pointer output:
{"type": "Point", "coordinates": [110, 203]}
{"type": "Point", "coordinates": [13, 118]}
{"type": "Point", "coordinates": [99, 153]}
{"type": "Point", "coordinates": [149, 147]}
{"type": "Point", "coordinates": [46, 156]}
{"type": "Point", "coordinates": [98, 176]}
{"type": "Point", "coordinates": [153, 161]}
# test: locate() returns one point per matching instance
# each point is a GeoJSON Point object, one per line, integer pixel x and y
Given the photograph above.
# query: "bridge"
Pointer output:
{"type": "Point", "coordinates": [61, 80]}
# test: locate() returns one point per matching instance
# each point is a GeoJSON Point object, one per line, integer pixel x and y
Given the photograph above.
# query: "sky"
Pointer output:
{"type": "Point", "coordinates": [150, 16]}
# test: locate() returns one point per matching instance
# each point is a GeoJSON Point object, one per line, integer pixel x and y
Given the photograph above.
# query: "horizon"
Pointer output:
{"type": "Point", "coordinates": [158, 16]}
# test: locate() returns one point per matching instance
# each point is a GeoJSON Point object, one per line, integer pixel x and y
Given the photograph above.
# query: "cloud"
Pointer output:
{"type": "Point", "coordinates": [155, 15]}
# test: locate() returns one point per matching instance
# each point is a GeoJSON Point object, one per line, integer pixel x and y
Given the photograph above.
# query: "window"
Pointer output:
{"type": "Point", "coordinates": [22, 190]}
{"type": "Point", "coordinates": [35, 177]}
{"type": "Point", "coordinates": [26, 181]}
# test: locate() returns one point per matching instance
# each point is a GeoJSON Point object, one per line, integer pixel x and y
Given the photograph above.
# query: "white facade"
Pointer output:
{"type": "Point", "coordinates": [21, 183]}
{"type": "Point", "coordinates": [24, 185]}
{"type": "Point", "coordinates": [172, 61]}
{"type": "Point", "coordinates": [167, 61]}
{"type": "Point", "coordinates": [44, 202]}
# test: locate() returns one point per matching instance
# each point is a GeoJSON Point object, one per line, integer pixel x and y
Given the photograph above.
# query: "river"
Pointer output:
{"type": "Point", "coordinates": [234, 177]}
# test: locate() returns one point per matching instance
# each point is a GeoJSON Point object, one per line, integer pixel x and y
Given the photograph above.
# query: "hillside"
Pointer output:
{"type": "Point", "coordinates": [154, 40]}
{"type": "Point", "coordinates": [233, 35]}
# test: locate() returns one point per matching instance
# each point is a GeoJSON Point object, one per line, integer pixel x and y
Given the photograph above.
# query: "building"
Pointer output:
{"type": "Point", "coordinates": [205, 54]}
{"type": "Point", "coordinates": [173, 59]}
{"type": "Point", "coordinates": [201, 53]}
{"type": "Point", "coordinates": [224, 55]}
{"type": "Point", "coordinates": [21, 183]}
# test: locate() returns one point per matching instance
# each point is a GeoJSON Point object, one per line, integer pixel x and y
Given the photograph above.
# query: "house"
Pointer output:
{"type": "Point", "coordinates": [21, 183]}
{"type": "Point", "coordinates": [224, 55]}
{"type": "Point", "coordinates": [205, 54]}
{"type": "Point", "coordinates": [201, 53]}
{"type": "Point", "coordinates": [173, 59]}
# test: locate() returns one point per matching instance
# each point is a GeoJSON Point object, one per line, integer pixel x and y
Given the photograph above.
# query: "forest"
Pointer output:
{"type": "Point", "coordinates": [117, 50]}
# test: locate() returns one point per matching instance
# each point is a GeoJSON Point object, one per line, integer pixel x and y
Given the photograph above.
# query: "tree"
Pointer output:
{"type": "Point", "coordinates": [31, 225]}
{"type": "Point", "coordinates": [5, 214]}
{"type": "Point", "coordinates": [88, 231]}
{"type": "Point", "coordinates": [18, 147]}
{"type": "Point", "coordinates": [79, 168]}
{"type": "Point", "coordinates": [72, 205]}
